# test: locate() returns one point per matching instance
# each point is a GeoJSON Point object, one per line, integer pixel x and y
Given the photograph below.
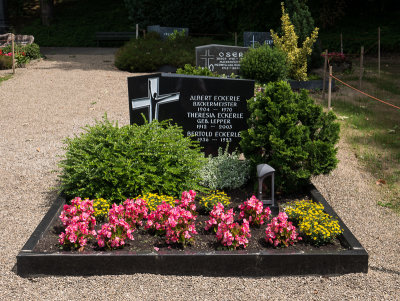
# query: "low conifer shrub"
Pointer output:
{"type": "Point", "coordinates": [288, 131]}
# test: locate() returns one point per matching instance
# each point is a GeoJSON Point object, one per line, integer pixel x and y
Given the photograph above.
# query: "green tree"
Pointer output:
{"type": "Point", "coordinates": [301, 18]}
{"type": "Point", "coordinates": [288, 42]}
{"type": "Point", "coordinates": [288, 131]}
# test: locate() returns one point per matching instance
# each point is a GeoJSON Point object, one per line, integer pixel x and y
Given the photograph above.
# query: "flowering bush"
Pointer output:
{"type": "Point", "coordinates": [298, 210]}
{"type": "Point", "coordinates": [113, 235]}
{"type": "Point", "coordinates": [187, 201]}
{"type": "Point", "coordinates": [336, 57]}
{"type": "Point", "coordinates": [176, 223]}
{"type": "Point", "coordinates": [315, 226]}
{"type": "Point", "coordinates": [153, 200]}
{"type": "Point", "coordinates": [217, 216]}
{"type": "Point", "coordinates": [20, 57]}
{"type": "Point", "coordinates": [101, 207]}
{"type": "Point", "coordinates": [79, 222]}
{"type": "Point", "coordinates": [180, 227]}
{"type": "Point", "coordinates": [209, 201]}
{"type": "Point", "coordinates": [280, 232]}
{"type": "Point", "coordinates": [252, 209]}
{"type": "Point", "coordinates": [156, 219]}
{"type": "Point", "coordinates": [233, 235]}
{"type": "Point", "coordinates": [135, 212]}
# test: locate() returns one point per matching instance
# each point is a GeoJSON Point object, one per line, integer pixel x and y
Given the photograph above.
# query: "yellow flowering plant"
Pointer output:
{"type": "Point", "coordinates": [212, 199]}
{"type": "Point", "coordinates": [101, 207]}
{"type": "Point", "coordinates": [288, 42]}
{"type": "Point", "coordinates": [154, 199]}
{"type": "Point", "coordinates": [315, 226]}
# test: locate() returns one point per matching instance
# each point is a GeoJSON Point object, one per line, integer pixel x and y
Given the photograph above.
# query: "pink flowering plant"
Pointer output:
{"type": "Point", "coordinates": [177, 223]}
{"type": "Point", "coordinates": [232, 235]}
{"type": "Point", "coordinates": [113, 235]}
{"type": "Point", "coordinates": [180, 226]}
{"type": "Point", "coordinates": [122, 222]}
{"type": "Point", "coordinates": [79, 222]}
{"type": "Point", "coordinates": [218, 215]}
{"type": "Point", "coordinates": [187, 201]}
{"type": "Point", "coordinates": [156, 219]}
{"type": "Point", "coordinates": [135, 212]}
{"type": "Point", "coordinates": [280, 232]}
{"type": "Point", "coordinates": [253, 211]}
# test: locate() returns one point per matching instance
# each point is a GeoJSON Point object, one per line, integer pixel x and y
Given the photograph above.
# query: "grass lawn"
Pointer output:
{"type": "Point", "coordinates": [371, 127]}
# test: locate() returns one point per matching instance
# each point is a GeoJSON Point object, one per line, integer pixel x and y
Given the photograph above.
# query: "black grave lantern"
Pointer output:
{"type": "Point", "coordinates": [264, 171]}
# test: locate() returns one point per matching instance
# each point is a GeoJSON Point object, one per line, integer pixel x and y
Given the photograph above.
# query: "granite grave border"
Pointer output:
{"type": "Point", "coordinates": [266, 262]}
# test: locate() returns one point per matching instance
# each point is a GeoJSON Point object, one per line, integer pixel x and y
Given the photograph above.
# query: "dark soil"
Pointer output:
{"type": "Point", "coordinates": [204, 241]}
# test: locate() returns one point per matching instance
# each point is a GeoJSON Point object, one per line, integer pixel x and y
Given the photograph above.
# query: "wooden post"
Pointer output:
{"type": "Point", "coordinates": [341, 43]}
{"type": "Point", "coordinates": [330, 88]}
{"type": "Point", "coordinates": [144, 33]}
{"type": "Point", "coordinates": [379, 51]}
{"type": "Point", "coordinates": [361, 65]}
{"type": "Point", "coordinates": [324, 76]}
{"type": "Point", "coordinates": [235, 38]}
{"type": "Point", "coordinates": [137, 31]}
{"type": "Point", "coordinates": [12, 51]}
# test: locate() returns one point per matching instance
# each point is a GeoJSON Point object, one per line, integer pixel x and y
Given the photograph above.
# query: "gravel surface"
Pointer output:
{"type": "Point", "coordinates": [53, 98]}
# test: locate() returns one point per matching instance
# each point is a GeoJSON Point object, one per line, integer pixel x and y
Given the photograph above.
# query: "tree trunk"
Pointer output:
{"type": "Point", "coordinates": [46, 11]}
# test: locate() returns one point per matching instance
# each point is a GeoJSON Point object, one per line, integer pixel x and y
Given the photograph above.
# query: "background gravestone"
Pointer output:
{"type": "Point", "coordinates": [213, 110]}
{"type": "Point", "coordinates": [164, 32]}
{"type": "Point", "coordinates": [3, 17]}
{"type": "Point", "coordinates": [252, 37]}
{"type": "Point", "coordinates": [221, 59]}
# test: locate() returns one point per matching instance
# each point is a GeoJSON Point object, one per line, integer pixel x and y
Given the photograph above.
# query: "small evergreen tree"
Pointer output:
{"type": "Point", "coordinates": [289, 44]}
{"type": "Point", "coordinates": [301, 18]}
{"type": "Point", "coordinates": [288, 131]}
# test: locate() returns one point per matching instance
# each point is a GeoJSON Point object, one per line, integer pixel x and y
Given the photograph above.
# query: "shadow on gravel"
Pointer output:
{"type": "Point", "coordinates": [384, 270]}
{"type": "Point", "coordinates": [51, 196]}
{"type": "Point", "coordinates": [70, 58]}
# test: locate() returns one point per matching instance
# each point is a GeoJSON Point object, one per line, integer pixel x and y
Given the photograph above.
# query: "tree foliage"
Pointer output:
{"type": "Point", "coordinates": [290, 133]}
{"type": "Point", "coordinates": [288, 42]}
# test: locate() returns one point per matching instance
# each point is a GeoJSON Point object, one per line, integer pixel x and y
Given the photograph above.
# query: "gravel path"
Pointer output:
{"type": "Point", "coordinates": [53, 98]}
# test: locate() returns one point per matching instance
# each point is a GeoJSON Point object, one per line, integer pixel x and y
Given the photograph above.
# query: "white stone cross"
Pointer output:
{"type": "Point", "coordinates": [206, 57]}
{"type": "Point", "coordinates": [153, 99]}
{"type": "Point", "coordinates": [253, 42]}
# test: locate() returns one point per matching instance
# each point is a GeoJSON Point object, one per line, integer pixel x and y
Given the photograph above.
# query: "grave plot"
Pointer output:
{"type": "Point", "coordinates": [347, 257]}
{"type": "Point", "coordinates": [200, 105]}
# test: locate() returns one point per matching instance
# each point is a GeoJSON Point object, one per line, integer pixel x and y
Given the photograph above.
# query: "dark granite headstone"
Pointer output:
{"type": "Point", "coordinates": [250, 38]}
{"type": "Point", "coordinates": [221, 59]}
{"type": "Point", "coordinates": [213, 110]}
{"type": "Point", "coordinates": [3, 17]}
{"type": "Point", "coordinates": [164, 32]}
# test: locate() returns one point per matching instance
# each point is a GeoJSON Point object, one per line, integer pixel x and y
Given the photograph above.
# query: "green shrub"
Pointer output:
{"type": "Point", "coordinates": [264, 64]}
{"type": "Point", "coordinates": [193, 70]}
{"type": "Point", "coordinates": [292, 134]}
{"type": "Point", "coordinates": [176, 35]}
{"type": "Point", "coordinates": [225, 171]}
{"type": "Point", "coordinates": [141, 55]}
{"type": "Point", "coordinates": [116, 163]}
{"type": "Point", "coordinates": [5, 62]}
{"type": "Point", "coordinates": [150, 53]}
{"type": "Point", "coordinates": [33, 51]}
{"type": "Point", "coordinates": [301, 18]}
